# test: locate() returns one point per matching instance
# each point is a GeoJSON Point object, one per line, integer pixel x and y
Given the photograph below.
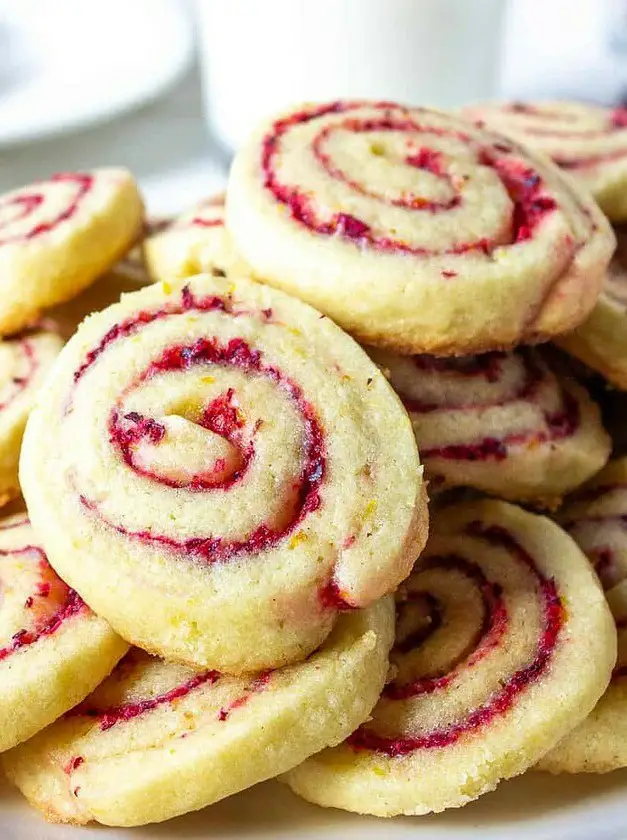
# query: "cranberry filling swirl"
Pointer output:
{"type": "Point", "coordinates": [35, 601]}
{"type": "Point", "coordinates": [507, 423]}
{"type": "Point", "coordinates": [53, 649]}
{"type": "Point", "coordinates": [586, 140]}
{"type": "Point", "coordinates": [213, 438]}
{"type": "Point", "coordinates": [59, 235]}
{"type": "Point", "coordinates": [487, 634]}
{"type": "Point", "coordinates": [28, 213]}
{"type": "Point", "coordinates": [395, 220]}
{"type": "Point", "coordinates": [596, 518]}
{"type": "Point", "coordinates": [157, 739]}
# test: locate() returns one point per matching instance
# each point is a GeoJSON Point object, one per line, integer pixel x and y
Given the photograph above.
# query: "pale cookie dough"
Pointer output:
{"type": "Point", "coordinates": [504, 643]}
{"type": "Point", "coordinates": [156, 740]}
{"type": "Point", "coordinates": [219, 470]}
{"type": "Point", "coordinates": [58, 236]}
{"type": "Point", "coordinates": [415, 230]}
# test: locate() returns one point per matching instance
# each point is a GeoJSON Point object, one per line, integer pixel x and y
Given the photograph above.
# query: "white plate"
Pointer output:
{"type": "Point", "coordinates": [70, 63]}
{"type": "Point", "coordinates": [534, 807]}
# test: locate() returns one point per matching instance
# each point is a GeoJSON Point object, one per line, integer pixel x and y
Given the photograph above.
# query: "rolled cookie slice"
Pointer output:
{"type": "Point", "coordinates": [195, 242]}
{"type": "Point", "coordinates": [596, 518]}
{"type": "Point", "coordinates": [157, 740]}
{"type": "Point", "coordinates": [505, 423]}
{"type": "Point", "coordinates": [599, 744]}
{"type": "Point", "coordinates": [601, 341]}
{"type": "Point", "coordinates": [588, 141]}
{"type": "Point", "coordinates": [219, 470]}
{"type": "Point", "coordinates": [504, 642]}
{"type": "Point", "coordinates": [53, 650]}
{"type": "Point", "coordinates": [417, 231]}
{"type": "Point", "coordinates": [57, 236]}
{"type": "Point", "coordinates": [25, 360]}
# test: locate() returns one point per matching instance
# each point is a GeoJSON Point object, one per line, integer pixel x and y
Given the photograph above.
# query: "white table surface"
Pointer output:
{"type": "Point", "coordinates": [166, 145]}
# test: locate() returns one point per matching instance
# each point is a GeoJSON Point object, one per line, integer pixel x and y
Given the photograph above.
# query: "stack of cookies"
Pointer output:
{"type": "Point", "coordinates": [224, 574]}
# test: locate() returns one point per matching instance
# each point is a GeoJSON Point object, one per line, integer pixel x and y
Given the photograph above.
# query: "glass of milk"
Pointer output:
{"type": "Point", "coordinates": [260, 57]}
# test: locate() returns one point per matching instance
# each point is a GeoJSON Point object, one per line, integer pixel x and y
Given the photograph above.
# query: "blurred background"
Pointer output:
{"type": "Point", "coordinates": [169, 88]}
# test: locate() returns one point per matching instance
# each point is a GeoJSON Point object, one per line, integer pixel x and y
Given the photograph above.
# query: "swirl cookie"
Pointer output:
{"type": "Point", "coordinates": [156, 740]}
{"type": "Point", "coordinates": [504, 423]}
{"type": "Point", "coordinates": [588, 141]}
{"type": "Point", "coordinates": [25, 360]}
{"type": "Point", "coordinates": [596, 518]}
{"type": "Point", "coordinates": [416, 231]}
{"type": "Point", "coordinates": [599, 744]}
{"type": "Point", "coordinates": [504, 642]}
{"type": "Point", "coordinates": [195, 242]}
{"type": "Point", "coordinates": [53, 649]}
{"type": "Point", "coordinates": [57, 236]}
{"type": "Point", "coordinates": [600, 341]}
{"type": "Point", "coordinates": [218, 470]}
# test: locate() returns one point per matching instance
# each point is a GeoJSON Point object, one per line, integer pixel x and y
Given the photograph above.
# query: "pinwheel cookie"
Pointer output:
{"type": "Point", "coordinates": [157, 740]}
{"type": "Point", "coordinates": [24, 363]}
{"type": "Point", "coordinates": [415, 230]}
{"type": "Point", "coordinates": [596, 517]}
{"type": "Point", "coordinates": [504, 642]}
{"type": "Point", "coordinates": [57, 236]}
{"type": "Point", "coordinates": [601, 341]}
{"type": "Point", "coordinates": [218, 470]}
{"type": "Point", "coordinates": [599, 744]}
{"type": "Point", "coordinates": [53, 649]}
{"type": "Point", "coordinates": [504, 423]}
{"type": "Point", "coordinates": [197, 241]}
{"type": "Point", "coordinates": [588, 141]}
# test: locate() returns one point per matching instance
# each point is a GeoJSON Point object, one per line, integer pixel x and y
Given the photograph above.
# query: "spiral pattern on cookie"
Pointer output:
{"type": "Point", "coordinates": [30, 212]}
{"type": "Point", "coordinates": [57, 236]}
{"type": "Point", "coordinates": [222, 437]}
{"type": "Point", "coordinates": [158, 739]}
{"type": "Point", "coordinates": [506, 423]}
{"type": "Point", "coordinates": [492, 625]}
{"type": "Point", "coordinates": [588, 141]}
{"type": "Point", "coordinates": [596, 517]}
{"type": "Point", "coordinates": [194, 242]}
{"type": "Point", "coordinates": [392, 210]}
{"type": "Point", "coordinates": [47, 637]}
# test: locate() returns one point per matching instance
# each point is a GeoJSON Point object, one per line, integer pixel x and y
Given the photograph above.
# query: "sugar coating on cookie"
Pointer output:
{"type": "Point", "coordinates": [504, 642]}
{"type": "Point", "coordinates": [599, 744]}
{"type": "Point", "coordinates": [156, 740]}
{"type": "Point", "coordinates": [219, 470]}
{"type": "Point", "coordinates": [53, 650]}
{"type": "Point", "coordinates": [25, 360]}
{"type": "Point", "coordinates": [588, 141]}
{"type": "Point", "coordinates": [505, 423]}
{"type": "Point", "coordinates": [57, 236]}
{"type": "Point", "coordinates": [601, 341]}
{"type": "Point", "coordinates": [195, 242]}
{"type": "Point", "coordinates": [415, 230]}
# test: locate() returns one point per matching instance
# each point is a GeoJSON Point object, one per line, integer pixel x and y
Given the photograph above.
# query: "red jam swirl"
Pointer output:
{"type": "Point", "coordinates": [530, 203]}
{"type": "Point", "coordinates": [492, 632]}
{"type": "Point", "coordinates": [109, 717]}
{"type": "Point", "coordinates": [47, 625]}
{"type": "Point", "coordinates": [560, 424]}
{"type": "Point", "coordinates": [222, 418]}
{"type": "Point", "coordinates": [20, 207]}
